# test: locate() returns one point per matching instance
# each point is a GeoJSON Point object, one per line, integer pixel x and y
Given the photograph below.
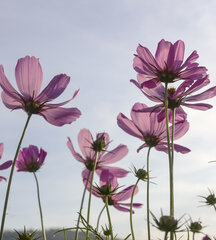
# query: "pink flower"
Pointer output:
{"type": "Point", "coordinates": [206, 238]}
{"type": "Point", "coordinates": [167, 66]}
{"type": "Point", "coordinates": [5, 165]}
{"type": "Point", "coordinates": [177, 98]}
{"type": "Point", "coordinates": [30, 159]}
{"type": "Point", "coordinates": [29, 79]}
{"type": "Point", "coordinates": [145, 126]}
{"type": "Point", "coordinates": [86, 144]}
{"type": "Point", "coordinates": [115, 198]}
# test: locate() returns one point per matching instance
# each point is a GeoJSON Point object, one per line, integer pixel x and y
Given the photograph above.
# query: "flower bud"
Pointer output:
{"type": "Point", "coordinates": [99, 144]}
{"type": "Point", "coordinates": [195, 227]}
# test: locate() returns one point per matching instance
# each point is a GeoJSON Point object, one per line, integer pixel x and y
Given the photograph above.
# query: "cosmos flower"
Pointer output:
{"type": "Point", "coordinates": [178, 98]}
{"type": "Point", "coordinates": [109, 186]}
{"type": "Point", "coordinates": [167, 66]}
{"type": "Point", "coordinates": [5, 165]}
{"type": "Point", "coordinates": [30, 159]}
{"type": "Point", "coordinates": [145, 126]}
{"type": "Point", "coordinates": [88, 148]}
{"type": "Point", "coordinates": [29, 79]}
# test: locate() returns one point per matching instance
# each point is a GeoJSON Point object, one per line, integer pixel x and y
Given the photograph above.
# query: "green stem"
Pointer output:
{"type": "Point", "coordinates": [90, 192]}
{"type": "Point", "coordinates": [169, 153]}
{"type": "Point", "coordinates": [172, 139]}
{"type": "Point", "coordinates": [109, 219]}
{"type": "Point", "coordinates": [10, 178]}
{"type": "Point", "coordinates": [40, 209]}
{"type": "Point", "coordinates": [193, 235]}
{"type": "Point", "coordinates": [81, 207]}
{"type": "Point", "coordinates": [165, 235]}
{"type": "Point", "coordinates": [99, 216]}
{"type": "Point", "coordinates": [148, 196]}
{"type": "Point", "coordinates": [131, 206]}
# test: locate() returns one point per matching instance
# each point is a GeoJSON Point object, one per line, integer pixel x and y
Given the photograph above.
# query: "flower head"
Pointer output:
{"type": "Point", "coordinates": [30, 159]}
{"type": "Point", "coordinates": [29, 79]}
{"type": "Point", "coordinates": [166, 223]}
{"type": "Point", "coordinates": [26, 235]}
{"type": "Point", "coordinates": [178, 97]}
{"type": "Point", "coordinates": [206, 238]}
{"type": "Point", "coordinates": [195, 227]}
{"type": "Point", "coordinates": [167, 66]}
{"type": "Point", "coordinates": [116, 198]}
{"type": "Point", "coordinates": [210, 200]}
{"type": "Point", "coordinates": [145, 126]}
{"type": "Point", "coordinates": [5, 165]}
{"type": "Point", "coordinates": [89, 147]}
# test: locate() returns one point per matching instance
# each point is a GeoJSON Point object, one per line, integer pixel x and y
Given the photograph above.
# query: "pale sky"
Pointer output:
{"type": "Point", "coordinates": [93, 42]}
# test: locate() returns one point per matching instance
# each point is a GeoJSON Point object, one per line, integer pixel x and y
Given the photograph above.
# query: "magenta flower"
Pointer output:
{"type": "Point", "coordinates": [86, 144]}
{"type": "Point", "coordinates": [30, 159]}
{"type": "Point", "coordinates": [145, 126]}
{"type": "Point", "coordinates": [29, 79]}
{"type": "Point", "coordinates": [177, 98]}
{"type": "Point", "coordinates": [167, 66]}
{"type": "Point", "coordinates": [5, 165]}
{"type": "Point", "coordinates": [206, 238]}
{"type": "Point", "coordinates": [115, 198]}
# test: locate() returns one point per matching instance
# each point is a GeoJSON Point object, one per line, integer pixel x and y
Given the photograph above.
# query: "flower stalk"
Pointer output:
{"type": "Point", "coordinates": [40, 208]}
{"type": "Point", "coordinates": [131, 210]}
{"type": "Point", "coordinates": [148, 196]}
{"type": "Point", "coordinates": [11, 176]}
{"type": "Point", "coordinates": [108, 216]}
{"type": "Point", "coordinates": [90, 191]}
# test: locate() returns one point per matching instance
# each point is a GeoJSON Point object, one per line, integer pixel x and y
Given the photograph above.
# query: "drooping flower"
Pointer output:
{"type": "Point", "coordinates": [167, 66]}
{"type": "Point", "coordinates": [145, 126]}
{"type": "Point", "coordinates": [5, 165]}
{"type": "Point", "coordinates": [29, 77]}
{"type": "Point", "coordinates": [109, 186]}
{"type": "Point", "coordinates": [88, 147]}
{"type": "Point", "coordinates": [30, 159]}
{"type": "Point", "coordinates": [178, 98]}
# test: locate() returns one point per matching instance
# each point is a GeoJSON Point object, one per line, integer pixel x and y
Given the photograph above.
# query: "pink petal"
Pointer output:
{"type": "Point", "coordinates": [55, 88]}
{"type": "Point", "coordinates": [123, 209]}
{"type": "Point", "coordinates": [191, 59]}
{"type": "Point", "coordinates": [181, 149]}
{"type": "Point", "coordinates": [5, 165]}
{"type": "Point", "coordinates": [210, 93]}
{"type": "Point", "coordinates": [115, 171]}
{"type": "Point", "coordinates": [199, 106]}
{"type": "Point", "coordinates": [128, 126]}
{"type": "Point", "coordinates": [176, 55]}
{"type": "Point", "coordinates": [11, 102]}
{"type": "Point", "coordinates": [180, 129]}
{"type": "Point", "coordinates": [6, 86]}
{"type": "Point", "coordinates": [85, 141]}
{"type": "Point", "coordinates": [1, 149]}
{"type": "Point", "coordinates": [125, 193]}
{"type": "Point", "coordinates": [60, 116]}
{"type": "Point", "coordinates": [162, 53]}
{"type": "Point", "coordinates": [76, 155]}
{"type": "Point", "coordinates": [2, 178]}
{"type": "Point", "coordinates": [29, 76]}
{"type": "Point", "coordinates": [115, 155]}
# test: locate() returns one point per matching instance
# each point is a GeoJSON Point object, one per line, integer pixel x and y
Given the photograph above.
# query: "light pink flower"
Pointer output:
{"type": "Point", "coordinates": [178, 98]}
{"type": "Point", "coordinates": [86, 141]}
{"type": "Point", "coordinates": [5, 165]}
{"type": "Point", "coordinates": [167, 65]}
{"type": "Point", "coordinates": [29, 79]}
{"type": "Point", "coordinates": [117, 198]}
{"type": "Point", "coordinates": [145, 126]}
{"type": "Point", "coordinates": [30, 159]}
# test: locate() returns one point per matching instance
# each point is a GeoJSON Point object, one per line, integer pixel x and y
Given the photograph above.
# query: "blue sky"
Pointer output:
{"type": "Point", "coordinates": [94, 42]}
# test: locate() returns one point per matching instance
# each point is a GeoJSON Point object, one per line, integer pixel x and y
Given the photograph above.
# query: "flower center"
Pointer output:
{"type": "Point", "coordinates": [99, 144]}
{"type": "Point", "coordinates": [90, 164]}
{"type": "Point", "coordinates": [151, 140]}
{"type": "Point", "coordinates": [166, 76]}
{"type": "Point", "coordinates": [32, 107]}
{"type": "Point", "coordinates": [32, 167]}
{"type": "Point", "coordinates": [173, 103]}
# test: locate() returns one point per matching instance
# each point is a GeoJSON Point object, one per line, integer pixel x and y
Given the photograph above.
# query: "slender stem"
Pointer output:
{"type": "Point", "coordinates": [40, 209]}
{"type": "Point", "coordinates": [99, 216]}
{"type": "Point", "coordinates": [193, 235]}
{"type": "Point", "coordinates": [90, 191]}
{"type": "Point", "coordinates": [81, 207]}
{"type": "Point", "coordinates": [172, 139]}
{"type": "Point", "coordinates": [169, 154]}
{"type": "Point", "coordinates": [10, 178]}
{"type": "Point", "coordinates": [131, 210]}
{"type": "Point", "coordinates": [148, 196]}
{"type": "Point", "coordinates": [109, 219]}
{"type": "Point", "coordinates": [165, 235]}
